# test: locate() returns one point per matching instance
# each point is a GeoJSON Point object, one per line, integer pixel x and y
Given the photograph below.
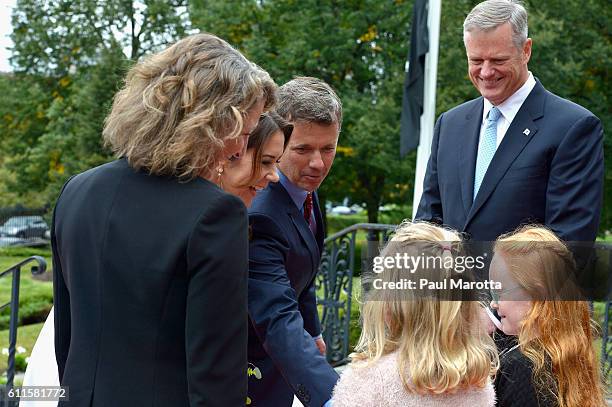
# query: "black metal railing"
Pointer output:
{"type": "Point", "coordinates": [335, 283]}
{"type": "Point", "coordinates": [606, 344]}
{"type": "Point", "coordinates": [15, 273]}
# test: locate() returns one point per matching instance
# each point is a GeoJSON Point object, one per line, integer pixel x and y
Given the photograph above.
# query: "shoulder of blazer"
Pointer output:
{"type": "Point", "coordinates": [100, 180]}
{"type": "Point", "coordinates": [541, 102]}
{"type": "Point", "coordinates": [112, 172]}
{"type": "Point", "coordinates": [570, 111]}
{"type": "Point", "coordinates": [113, 167]}
{"type": "Point", "coordinates": [272, 200]}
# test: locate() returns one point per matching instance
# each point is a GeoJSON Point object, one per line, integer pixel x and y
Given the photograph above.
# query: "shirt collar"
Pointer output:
{"type": "Point", "coordinates": [297, 194]}
{"type": "Point", "coordinates": [510, 107]}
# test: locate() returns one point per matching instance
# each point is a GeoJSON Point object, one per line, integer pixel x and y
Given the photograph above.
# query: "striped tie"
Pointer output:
{"type": "Point", "coordinates": [487, 148]}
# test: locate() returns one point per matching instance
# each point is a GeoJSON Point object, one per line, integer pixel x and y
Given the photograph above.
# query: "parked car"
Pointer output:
{"type": "Point", "coordinates": [24, 227]}
{"type": "Point", "coordinates": [342, 210]}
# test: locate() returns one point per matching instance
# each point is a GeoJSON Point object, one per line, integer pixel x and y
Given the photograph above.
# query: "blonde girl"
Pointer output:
{"type": "Point", "coordinates": [417, 349]}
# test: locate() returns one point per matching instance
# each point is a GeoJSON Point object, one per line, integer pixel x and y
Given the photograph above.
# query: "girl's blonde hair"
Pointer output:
{"type": "Point", "coordinates": [556, 335]}
{"type": "Point", "coordinates": [178, 107]}
{"type": "Point", "coordinates": [440, 344]}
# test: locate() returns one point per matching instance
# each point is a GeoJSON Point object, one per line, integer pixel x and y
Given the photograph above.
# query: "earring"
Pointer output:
{"type": "Point", "coordinates": [219, 175]}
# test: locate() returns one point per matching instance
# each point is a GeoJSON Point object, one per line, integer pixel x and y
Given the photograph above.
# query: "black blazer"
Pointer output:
{"type": "Point", "coordinates": [548, 169]}
{"type": "Point", "coordinates": [284, 259]}
{"type": "Point", "coordinates": [150, 283]}
{"type": "Point", "coordinates": [514, 386]}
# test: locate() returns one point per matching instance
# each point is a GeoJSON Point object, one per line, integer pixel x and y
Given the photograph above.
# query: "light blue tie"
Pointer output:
{"type": "Point", "coordinates": [487, 148]}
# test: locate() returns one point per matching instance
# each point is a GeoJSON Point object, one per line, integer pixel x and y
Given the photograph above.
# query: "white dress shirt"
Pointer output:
{"type": "Point", "coordinates": [508, 109]}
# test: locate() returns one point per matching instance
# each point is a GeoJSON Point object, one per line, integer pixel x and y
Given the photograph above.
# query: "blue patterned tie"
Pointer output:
{"type": "Point", "coordinates": [487, 148]}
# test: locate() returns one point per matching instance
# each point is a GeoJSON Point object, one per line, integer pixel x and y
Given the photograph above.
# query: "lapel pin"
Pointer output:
{"type": "Point", "coordinates": [526, 132]}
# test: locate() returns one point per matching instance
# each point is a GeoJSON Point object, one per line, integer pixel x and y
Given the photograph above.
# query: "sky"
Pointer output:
{"type": "Point", "coordinates": [5, 30]}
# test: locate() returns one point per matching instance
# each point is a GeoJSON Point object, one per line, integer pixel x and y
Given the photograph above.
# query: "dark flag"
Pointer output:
{"type": "Point", "coordinates": [412, 101]}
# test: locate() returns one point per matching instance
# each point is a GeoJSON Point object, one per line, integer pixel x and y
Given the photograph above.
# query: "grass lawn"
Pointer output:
{"type": "Point", "coordinates": [35, 294]}
{"type": "Point", "coordinates": [35, 299]}
{"type": "Point", "coordinates": [28, 286]}
{"type": "Point", "coordinates": [26, 337]}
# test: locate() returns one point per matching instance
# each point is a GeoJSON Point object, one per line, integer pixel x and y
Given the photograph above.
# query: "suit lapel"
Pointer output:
{"type": "Point", "coordinates": [511, 146]}
{"type": "Point", "coordinates": [467, 153]}
{"type": "Point", "coordinates": [320, 236]}
{"type": "Point", "coordinates": [306, 234]}
{"type": "Point", "coordinates": [298, 221]}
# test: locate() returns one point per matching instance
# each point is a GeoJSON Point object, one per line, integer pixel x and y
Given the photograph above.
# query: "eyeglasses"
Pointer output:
{"type": "Point", "coordinates": [496, 294]}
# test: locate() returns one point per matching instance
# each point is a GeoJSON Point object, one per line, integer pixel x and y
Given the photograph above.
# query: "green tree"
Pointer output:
{"type": "Point", "coordinates": [53, 38]}
{"type": "Point", "coordinates": [71, 142]}
{"type": "Point", "coordinates": [69, 59]}
{"type": "Point", "coordinates": [23, 104]}
{"type": "Point", "coordinates": [359, 47]}
{"type": "Point", "coordinates": [577, 66]}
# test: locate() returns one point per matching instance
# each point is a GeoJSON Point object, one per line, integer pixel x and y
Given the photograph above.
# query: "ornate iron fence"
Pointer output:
{"type": "Point", "coordinates": [334, 283]}
{"type": "Point", "coordinates": [15, 273]}
{"type": "Point", "coordinates": [606, 344]}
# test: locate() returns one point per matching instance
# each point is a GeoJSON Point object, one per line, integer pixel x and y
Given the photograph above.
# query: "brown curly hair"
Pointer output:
{"type": "Point", "coordinates": [178, 107]}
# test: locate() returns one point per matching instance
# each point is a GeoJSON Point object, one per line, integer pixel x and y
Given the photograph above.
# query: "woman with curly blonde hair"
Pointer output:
{"type": "Point", "coordinates": [550, 360]}
{"type": "Point", "coordinates": [179, 108]}
{"type": "Point", "coordinates": [419, 349]}
{"type": "Point", "coordinates": [150, 256]}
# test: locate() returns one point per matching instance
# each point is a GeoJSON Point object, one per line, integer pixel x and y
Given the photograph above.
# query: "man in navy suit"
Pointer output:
{"type": "Point", "coordinates": [286, 351]}
{"type": "Point", "coordinates": [518, 154]}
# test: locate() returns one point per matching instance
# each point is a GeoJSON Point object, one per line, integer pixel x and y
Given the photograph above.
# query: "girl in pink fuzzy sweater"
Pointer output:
{"type": "Point", "coordinates": [417, 348]}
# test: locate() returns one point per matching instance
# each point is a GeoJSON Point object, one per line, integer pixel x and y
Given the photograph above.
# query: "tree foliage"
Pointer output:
{"type": "Point", "coordinates": [359, 47]}
{"type": "Point", "coordinates": [54, 38]}
{"type": "Point", "coordinates": [69, 57]}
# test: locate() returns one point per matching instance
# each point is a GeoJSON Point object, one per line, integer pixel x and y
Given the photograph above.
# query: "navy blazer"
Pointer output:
{"type": "Point", "coordinates": [548, 169]}
{"type": "Point", "coordinates": [284, 258]}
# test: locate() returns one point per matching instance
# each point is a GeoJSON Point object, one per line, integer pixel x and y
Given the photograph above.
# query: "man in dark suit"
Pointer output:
{"type": "Point", "coordinates": [286, 351]}
{"type": "Point", "coordinates": [518, 154]}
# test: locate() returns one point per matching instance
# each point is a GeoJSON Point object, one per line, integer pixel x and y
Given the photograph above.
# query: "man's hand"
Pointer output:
{"type": "Point", "coordinates": [321, 345]}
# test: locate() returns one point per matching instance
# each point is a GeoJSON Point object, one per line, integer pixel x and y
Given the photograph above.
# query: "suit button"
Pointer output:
{"type": "Point", "coordinates": [303, 394]}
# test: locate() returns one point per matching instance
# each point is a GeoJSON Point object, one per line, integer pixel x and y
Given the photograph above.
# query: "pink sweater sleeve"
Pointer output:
{"type": "Point", "coordinates": [358, 387]}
